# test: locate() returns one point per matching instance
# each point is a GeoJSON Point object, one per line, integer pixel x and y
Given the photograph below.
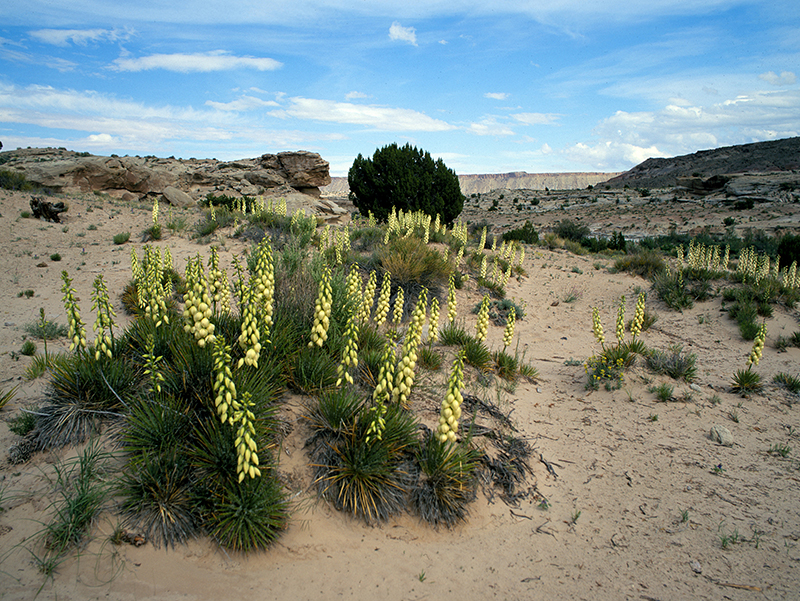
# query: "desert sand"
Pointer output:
{"type": "Point", "coordinates": [635, 506]}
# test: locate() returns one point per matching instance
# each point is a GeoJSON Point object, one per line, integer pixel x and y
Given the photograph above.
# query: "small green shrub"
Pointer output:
{"type": "Point", "coordinates": [664, 392]}
{"type": "Point", "coordinates": [452, 334]}
{"type": "Point", "coordinates": [526, 234]}
{"type": "Point", "coordinates": [55, 257]}
{"type": "Point", "coordinates": [28, 348]}
{"type": "Point", "coordinates": [646, 263]}
{"type": "Point", "coordinates": [790, 383]}
{"type": "Point", "coordinates": [675, 363]}
{"type": "Point", "coordinates": [14, 180]}
{"type": "Point", "coordinates": [23, 423]}
{"type": "Point", "coordinates": [569, 230]}
{"type": "Point", "coordinates": [122, 238]}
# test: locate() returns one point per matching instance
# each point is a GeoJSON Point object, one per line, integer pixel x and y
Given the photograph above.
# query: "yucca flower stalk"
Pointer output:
{"type": "Point", "coordinates": [433, 322]}
{"type": "Point", "coordinates": [167, 262]}
{"type": "Point", "coordinates": [350, 350]}
{"type": "Point", "coordinates": [483, 266]}
{"type": "Point", "coordinates": [371, 219]}
{"type": "Point", "coordinates": [322, 310]}
{"type": "Point", "coordinates": [224, 387]}
{"type": "Point", "coordinates": [406, 367]}
{"type": "Point", "coordinates": [385, 385]}
{"type": "Point", "coordinates": [521, 255]}
{"type": "Point", "coordinates": [354, 284]}
{"type": "Point", "coordinates": [482, 324]}
{"type": "Point", "coordinates": [638, 316]}
{"type": "Point", "coordinates": [451, 299]}
{"type": "Point", "coordinates": [436, 224]}
{"type": "Point", "coordinates": [495, 268]}
{"type": "Point", "coordinates": [151, 291]}
{"type": "Point", "coordinates": [382, 308]}
{"type": "Point", "coordinates": [494, 244]}
{"type": "Point", "coordinates": [369, 297]}
{"type": "Point", "coordinates": [482, 243]}
{"type": "Point", "coordinates": [246, 446]}
{"type": "Point", "coordinates": [137, 272]}
{"type": "Point", "coordinates": [197, 304]}
{"type": "Point", "coordinates": [155, 211]}
{"type": "Point", "coordinates": [399, 300]}
{"type": "Point", "coordinates": [621, 320]}
{"type": "Point", "coordinates": [218, 284]}
{"type": "Point", "coordinates": [508, 333]}
{"type": "Point", "coordinates": [597, 327]}
{"type": "Point", "coordinates": [151, 366]}
{"type": "Point", "coordinates": [104, 324]}
{"type": "Point", "coordinates": [265, 287]}
{"type": "Point", "coordinates": [250, 336]}
{"type": "Point", "coordinates": [506, 275]}
{"type": "Point", "coordinates": [758, 346]}
{"type": "Point", "coordinates": [726, 258]}
{"type": "Point", "coordinates": [324, 237]}
{"type": "Point", "coordinates": [77, 331]}
{"type": "Point", "coordinates": [450, 412]}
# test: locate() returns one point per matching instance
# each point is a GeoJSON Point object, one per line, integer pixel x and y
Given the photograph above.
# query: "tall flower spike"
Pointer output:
{"type": "Point", "coordinates": [508, 333]}
{"type": "Point", "coordinates": [638, 317]}
{"type": "Point", "coordinates": [483, 266]}
{"type": "Point", "coordinates": [385, 385]}
{"type": "Point", "coordinates": [433, 322]}
{"type": "Point", "coordinates": [450, 412]}
{"type": "Point", "coordinates": [77, 331]}
{"type": "Point", "coordinates": [322, 310]}
{"type": "Point", "coordinates": [481, 327]}
{"type": "Point", "coordinates": [369, 297]}
{"type": "Point", "coordinates": [399, 301]}
{"type": "Point", "coordinates": [350, 351]}
{"type": "Point", "coordinates": [104, 324]}
{"type": "Point", "coordinates": [405, 372]}
{"type": "Point", "coordinates": [151, 367]}
{"type": "Point", "coordinates": [382, 309]}
{"type": "Point", "coordinates": [246, 447]}
{"type": "Point", "coordinates": [224, 387]}
{"type": "Point", "coordinates": [597, 326]}
{"type": "Point", "coordinates": [758, 346]}
{"type": "Point", "coordinates": [621, 320]}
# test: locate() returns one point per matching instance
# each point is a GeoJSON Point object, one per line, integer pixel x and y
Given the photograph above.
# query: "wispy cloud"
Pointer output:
{"type": "Point", "coordinates": [489, 127]}
{"type": "Point", "coordinates": [496, 95]}
{"type": "Point", "coordinates": [536, 118]}
{"type": "Point", "coordinates": [199, 62]}
{"type": "Point", "coordinates": [355, 95]}
{"type": "Point", "coordinates": [241, 104]}
{"type": "Point", "coordinates": [786, 78]}
{"type": "Point", "coordinates": [373, 116]}
{"type": "Point", "coordinates": [403, 34]}
{"type": "Point", "coordinates": [80, 37]}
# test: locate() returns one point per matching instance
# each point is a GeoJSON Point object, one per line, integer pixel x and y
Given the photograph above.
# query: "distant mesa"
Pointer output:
{"type": "Point", "coordinates": [709, 170]}
{"type": "Point", "coordinates": [517, 180]}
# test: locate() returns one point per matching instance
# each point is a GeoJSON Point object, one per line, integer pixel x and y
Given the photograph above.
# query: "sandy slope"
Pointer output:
{"type": "Point", "coordinates": [630, 477]}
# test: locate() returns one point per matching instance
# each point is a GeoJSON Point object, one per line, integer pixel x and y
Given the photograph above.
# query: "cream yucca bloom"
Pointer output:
{"type": "Point", "coordinates": [151, 366]}
{"type": "Point", "coordinates": [369, 297]}
{"type": "Point", "coordinates": [597, 326]}
{"type": "Point", "coordinates": [508, 333]}
{"type": "Point", "coordinates": [621, 320]}
{"type": "Point", "coordinates": [405, 371]}
{"type": "Point", "coordinates": [382, 308]}
{"type": "Point", "coordinates": [758, 346]}
{"type": "Point", "coordinates": [224, 387]}
{"type": "Point", "coordinates": [450, 411]}
{"type": "Point", "coordinates": [399, 301]}
{"type": "Point", "coordinates": [433, 323]}
{"type": "Point", "coordinates": [104, 324]}
{"type": "Point", "coordinates": [350, 350]}
{"type": "Point", "coordinates": [483, 266]}
{"type": "Point", "coordinates": [638, 316]}
{"type": "Point", "coordinates": [246, 446]}
{"type": "Point", "coordinates": [451, 299]}
{"type": "Point", "coordinates": [482, 324]}
{"type": "Point", "coordinates": [77, 331]}
{"type": "Point", "coordinates": [322, 310]}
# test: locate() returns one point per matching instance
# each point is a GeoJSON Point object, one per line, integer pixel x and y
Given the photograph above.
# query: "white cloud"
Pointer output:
{"type": "Point", "coordinates": [199, 62]}
{"type": "Point", "coordinates": [80, 37]}
{"type": "Point", "coordinates": [355, 95]}
{"type": "Point", "coordinates": [403, 34]}
{"type": "Point", "coordinates": [100, 139]}
{"type": "Point", "coordinates": [786, 78]}
{"type": "Point", "coordinates": [536, 118]}
{"type": "Point", "coordinates": [243, 103]}
{"type": "Point", "coordinates": [374, 116]}
{"type": "Point", "coordinates": [609, 156]}
{"type": "Point", "coordinates": [489, 127]}
{"type": "Point", "coordinates": [496, 95]}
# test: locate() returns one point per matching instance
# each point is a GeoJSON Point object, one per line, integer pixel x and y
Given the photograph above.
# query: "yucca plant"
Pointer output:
{"type": "Point", "coordinates": [789, 382]}
{"type": "Point", "coordinates": [673, 363]}
{"type": "Point", "coordinates": [82, 393]}
{"type": "Point", "coordinates": [452, 334]}
{"type": "Point", "coordinates": [249, 515]}
{"type": "Point", "coordinates": [506, 365]}
{"type": "Point", "coordinates": [157, 500]}
{"type": "Point", "coordinates": [155, 426]}
{"type": "Point", "coordinates": [746, 381]}
{"type": "Point", "coordinates": [476, 354]}
{"type": "Point", "coordinates": [313, 370]}
{"type": "Point", "coordinates": [447, 482]}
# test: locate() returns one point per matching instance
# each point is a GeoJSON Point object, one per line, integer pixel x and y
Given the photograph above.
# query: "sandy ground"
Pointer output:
{"type": "Point", "coordinates": [632, 476]}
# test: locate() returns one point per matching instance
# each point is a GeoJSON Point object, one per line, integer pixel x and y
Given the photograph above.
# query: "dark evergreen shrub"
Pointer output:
{"type": "Point", "coordinates": [406, 178]}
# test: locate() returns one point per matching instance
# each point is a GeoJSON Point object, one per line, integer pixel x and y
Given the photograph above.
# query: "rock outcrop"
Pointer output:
{"type": "Point", "coordinates": [180, 182]}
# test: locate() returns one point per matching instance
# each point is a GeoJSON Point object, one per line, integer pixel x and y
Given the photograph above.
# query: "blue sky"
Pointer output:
{"type": "Point", "coordinates": [491, 87]}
